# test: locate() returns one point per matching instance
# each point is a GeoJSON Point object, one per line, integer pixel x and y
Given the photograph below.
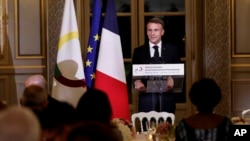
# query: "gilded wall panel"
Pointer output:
{"type": "Point", "coordinates": [240, 28]}
{"type": "Point", "coordinates": [240, 95]}
{"type": "Point", "coordinates": [4, 46]}
{"type": "Point", "coordinates": [240, 55]}
{"type": "Point", "coordinates": [29, 29]}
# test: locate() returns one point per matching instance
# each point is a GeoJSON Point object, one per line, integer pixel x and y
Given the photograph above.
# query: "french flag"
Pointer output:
{"type": "Point", "coordinates": [110, 72]}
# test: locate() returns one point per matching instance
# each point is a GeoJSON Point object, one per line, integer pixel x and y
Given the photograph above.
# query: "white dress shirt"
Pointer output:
{"type": "Point", "coordinates": [152, 50]}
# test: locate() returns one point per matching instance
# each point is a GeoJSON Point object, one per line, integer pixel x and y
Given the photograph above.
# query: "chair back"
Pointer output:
{"type": "Point", "coordinates": [152, 115]}
{"type": "Point", "coordinates": [246, 115]}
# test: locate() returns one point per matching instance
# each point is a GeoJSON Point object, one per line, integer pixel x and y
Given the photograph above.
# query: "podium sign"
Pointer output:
{"type": "Point", "coordinates": [158, 70]}
{"type": "Point", "coordinates": [155, 76]}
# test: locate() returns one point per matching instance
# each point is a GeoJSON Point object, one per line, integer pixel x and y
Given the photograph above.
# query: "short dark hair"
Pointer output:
{"type": "Point", "coordinates": [156, 20]}
{"type": "Point", "coordinates": [34, 95]}
{"type": "Point", "coordinates": [205, 94]}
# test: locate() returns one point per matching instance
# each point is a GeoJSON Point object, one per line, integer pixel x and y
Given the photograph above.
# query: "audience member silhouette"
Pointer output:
{"type": "Point", "coordinates": [205, 94]}
{"type": "Point", "coordinates": [19, 124]}
{"type": "Point", "coordinates": [50, 111]}
{"type": "Point", "coordinates": [3, 104]}
{"type": "Point", "coordinates": [94, 105]}
{"type": "Point", "coordinates": [92, 131]}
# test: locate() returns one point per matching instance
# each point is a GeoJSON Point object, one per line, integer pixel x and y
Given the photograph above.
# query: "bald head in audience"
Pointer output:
{"type": "Point", "coordinates": [37, 79]}
{"type": "Point", "coordinates": [35, 93]}
{"type": "Point", "coordinates": [19, 124]}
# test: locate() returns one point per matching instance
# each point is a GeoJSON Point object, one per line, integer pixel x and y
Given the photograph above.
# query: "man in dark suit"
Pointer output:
{"type": "Point", "coordinates": [50, 112]}
{"type": "Point", "coordinates": [155, 52]}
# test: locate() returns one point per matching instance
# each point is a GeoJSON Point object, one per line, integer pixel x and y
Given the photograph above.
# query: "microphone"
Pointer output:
{"type": "Point", "coordinates": [157, 61]}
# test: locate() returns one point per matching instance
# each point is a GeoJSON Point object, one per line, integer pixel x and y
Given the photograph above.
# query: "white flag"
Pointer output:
{"type": "Point", "coordinates": [69, 79]}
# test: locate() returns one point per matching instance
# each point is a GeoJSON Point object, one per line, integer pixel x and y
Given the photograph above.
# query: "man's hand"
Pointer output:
{"type": "Point", "coordinates": [139, 86]}
{"type": "Point", "coordinates": [170, 83]}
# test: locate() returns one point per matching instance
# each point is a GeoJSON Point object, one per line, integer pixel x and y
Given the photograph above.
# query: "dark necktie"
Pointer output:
{"type": "Point", "coordinates": [156, 54]}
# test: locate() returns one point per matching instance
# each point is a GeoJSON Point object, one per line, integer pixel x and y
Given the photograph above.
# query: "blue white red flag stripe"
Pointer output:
{"type": "Point", "coordinates": [110, 72]}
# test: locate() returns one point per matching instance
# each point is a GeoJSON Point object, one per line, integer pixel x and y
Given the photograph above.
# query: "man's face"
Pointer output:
{"type": "Point", "coordinates": [154, 32]}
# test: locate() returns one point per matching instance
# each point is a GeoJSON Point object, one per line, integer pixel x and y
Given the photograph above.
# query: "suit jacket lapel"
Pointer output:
{"type": "Point", "coordinates": [147, 53]}
{"type": "Point", "coordinates": [163, 52]}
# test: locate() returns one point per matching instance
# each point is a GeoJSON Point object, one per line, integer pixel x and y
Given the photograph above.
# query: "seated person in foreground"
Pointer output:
{"type": "Point", "coordinates": [92, 131]}
{"type": "Point", "coordinates": [94, 106]}
{"type": "Point", "coordinates": [205, 94]}
{"type": "Point", "coordinates": [50, 112]}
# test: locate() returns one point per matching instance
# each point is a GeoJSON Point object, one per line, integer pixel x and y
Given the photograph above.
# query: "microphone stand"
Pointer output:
{"type": "Point", "coordinates": [160, 97]}
{"type": "Point", "coordinates": [160, 91]}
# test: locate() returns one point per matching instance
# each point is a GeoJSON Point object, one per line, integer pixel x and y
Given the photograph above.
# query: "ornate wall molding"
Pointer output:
{"type": "Point", "coordinates": [240, 28]}
{"type": "Point", "coordinates": [3, 26]}
{"type": "Point", "coordinates": [30, 19]}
